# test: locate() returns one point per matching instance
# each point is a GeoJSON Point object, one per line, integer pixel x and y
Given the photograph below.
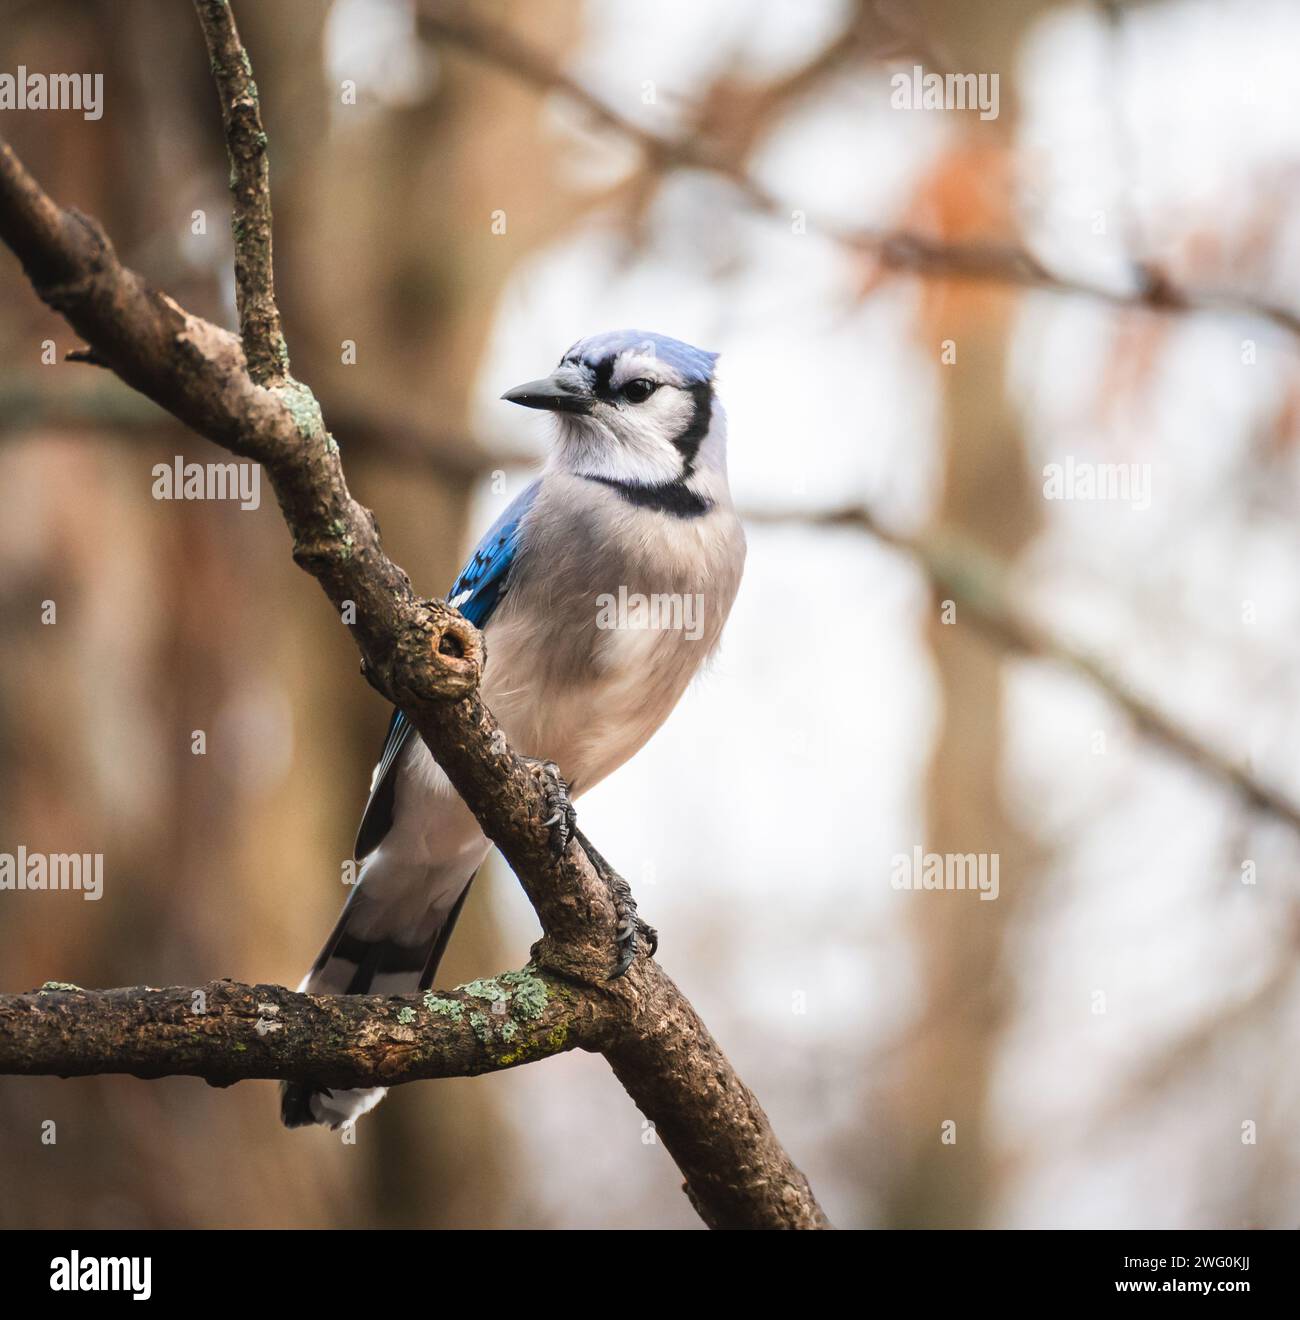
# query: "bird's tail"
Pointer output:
{"type": "Point", "coordinates": [353, 964]}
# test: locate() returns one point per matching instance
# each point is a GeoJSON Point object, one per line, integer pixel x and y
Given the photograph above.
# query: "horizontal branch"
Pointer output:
{"type": "Point", "coordinates": [736, 1173]}
{"type": "Point", "coordinates": [225, 1032]}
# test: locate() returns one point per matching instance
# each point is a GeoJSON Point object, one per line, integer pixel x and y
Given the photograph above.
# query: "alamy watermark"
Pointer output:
{"type": "Point", "coordinates": [946, 871]}
{"type": "Point", "coordinates": [667, 611]}
{"type": "Point", "coordinates": [179, 480]}
{"type": "Point", "coordinates": [919, 90]}
{"type": "Point", "coordinates": [1124, 483]}
{"type": "Point", "coordinates": [77, 1273]}
{"type": "Point", "coordinates": [53, 91]}
{"type": "Point", "coordinates": [32, 870]}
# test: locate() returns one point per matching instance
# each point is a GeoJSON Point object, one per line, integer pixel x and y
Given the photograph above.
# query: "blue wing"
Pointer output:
{"type": "Point", "coordinates": [482, 582]}
{"type": "Point", "coordinates": [476, 593]}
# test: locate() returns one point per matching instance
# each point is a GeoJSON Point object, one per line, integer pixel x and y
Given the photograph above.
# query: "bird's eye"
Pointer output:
{"type": "Point", "coordinates": [637, 391]}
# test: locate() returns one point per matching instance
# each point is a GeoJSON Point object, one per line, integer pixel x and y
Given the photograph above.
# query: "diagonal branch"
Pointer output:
{"type": "Point", "coordinates": [425, 658]}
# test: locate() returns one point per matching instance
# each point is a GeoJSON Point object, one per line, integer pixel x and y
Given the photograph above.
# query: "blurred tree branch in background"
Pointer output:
{"type": "Point", "coordinates": [899, 251]}
{"type": "Point", "coordinates": [958, 570]}
{"type": "Point", "coordinates": [104, 405]}
{"type": "Point", "coordinates": [420, 654]}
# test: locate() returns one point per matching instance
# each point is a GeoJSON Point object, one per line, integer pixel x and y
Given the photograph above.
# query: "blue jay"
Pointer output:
{"type": "Point", "coordinates": [601, 590]}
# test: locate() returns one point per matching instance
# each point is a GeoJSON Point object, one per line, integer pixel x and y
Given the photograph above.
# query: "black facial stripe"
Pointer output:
{"type": "Point", "coordinates": [688, 443]}
{"type": "Point", "coordinates": [604, 370]}
{"type": "Point", "coordinates": [672, 497]}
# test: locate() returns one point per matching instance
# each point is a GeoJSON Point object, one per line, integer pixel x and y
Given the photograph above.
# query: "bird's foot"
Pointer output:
{"type": "Point", "coordinates": [631, 929]}
{"type": "Point", "coordinates": [562, 819]}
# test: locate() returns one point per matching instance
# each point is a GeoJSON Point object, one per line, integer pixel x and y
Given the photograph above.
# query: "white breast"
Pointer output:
{"type": "Point", "coordinates": [607, 620]}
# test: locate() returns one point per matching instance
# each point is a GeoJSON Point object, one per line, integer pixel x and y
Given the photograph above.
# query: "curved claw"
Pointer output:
{"type": "Point", "coordinates": [627, 957]}
{"type": "Point", "coordinates": [631, 931]}
{"type": "Point", "coordinates": [650, 935]}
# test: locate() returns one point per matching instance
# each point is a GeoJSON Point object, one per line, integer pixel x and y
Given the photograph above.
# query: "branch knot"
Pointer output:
{"type": "Point", "coordinates": [440, 656]}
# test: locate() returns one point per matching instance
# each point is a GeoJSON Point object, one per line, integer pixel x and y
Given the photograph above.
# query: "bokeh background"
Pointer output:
{"type": "Point", "coordinates": [1113, 1038]}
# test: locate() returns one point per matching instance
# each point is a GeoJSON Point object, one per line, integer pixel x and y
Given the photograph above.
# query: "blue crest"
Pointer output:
{"type": "Point", "coordinates": [694, 364]}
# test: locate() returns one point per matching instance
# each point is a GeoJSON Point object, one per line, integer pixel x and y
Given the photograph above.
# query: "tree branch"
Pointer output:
{"type": "Point", "coordinates": [423, 656]}
{"type": "Point", "coordinates": [250, 186]}
{"type": "Point", "coordinates": [225, 1032]}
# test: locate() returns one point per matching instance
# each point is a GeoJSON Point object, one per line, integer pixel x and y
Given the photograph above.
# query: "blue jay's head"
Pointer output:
{"type": "Point", "coordinates": [630, 406]}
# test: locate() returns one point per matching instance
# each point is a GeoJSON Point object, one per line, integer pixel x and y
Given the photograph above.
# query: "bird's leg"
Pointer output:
{"type": "Point", "coordinates": [631, 929]}
{"type": "Point", "coordinates": [562, 820]}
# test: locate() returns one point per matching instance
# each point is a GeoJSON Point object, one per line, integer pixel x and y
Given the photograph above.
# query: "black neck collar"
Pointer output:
{"type": "Point", "coordinates": [675, 498]}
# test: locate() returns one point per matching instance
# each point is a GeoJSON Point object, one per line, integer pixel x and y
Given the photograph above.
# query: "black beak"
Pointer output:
{"type": "Point", "coordinates": [548, 393]}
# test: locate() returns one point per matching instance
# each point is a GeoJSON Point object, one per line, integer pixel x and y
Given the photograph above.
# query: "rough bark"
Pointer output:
{"type": "Point", "coordinates": [241, 114]}
{"type": "Point", "coordinates": [225, 1032]}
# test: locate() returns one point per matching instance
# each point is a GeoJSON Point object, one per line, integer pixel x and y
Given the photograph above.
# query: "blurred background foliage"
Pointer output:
{"type": "Point", "coordinates": [1100, 1034]}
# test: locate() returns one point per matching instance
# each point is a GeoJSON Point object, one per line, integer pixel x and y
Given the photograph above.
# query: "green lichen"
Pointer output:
{"type": "Point", "coordinates": [300, 402]}
{"type": "Point", "coordinates": [59, 985]}
{"type": "Point", "coordinates": [523, 993]}
{"type": "Point", "coordinates": [448, 1008]}
{"type": "Point", "coordinates": [340, 529]}
{"type": "Point", "coordinates": [528, 993]}
{"type": "Point", "coordinates": [516, 998]}
{"type": "Point", "coordinates": [406, 1016]}
{"type": "Point", "coordinates": [240, 1047]}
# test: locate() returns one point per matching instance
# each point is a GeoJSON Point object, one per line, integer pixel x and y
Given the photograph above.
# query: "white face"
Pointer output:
{"type": "Point", "coordinates": [641, 407]}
